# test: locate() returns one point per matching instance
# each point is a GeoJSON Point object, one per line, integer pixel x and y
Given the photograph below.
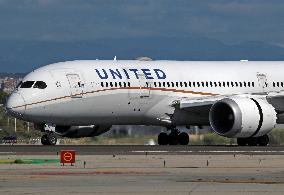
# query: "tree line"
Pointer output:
{"type": "Point", "coordinates": [3, 97]}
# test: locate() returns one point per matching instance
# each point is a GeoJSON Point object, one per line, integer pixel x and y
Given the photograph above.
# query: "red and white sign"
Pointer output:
{"type": "Point", "coordinates": [67, 156]}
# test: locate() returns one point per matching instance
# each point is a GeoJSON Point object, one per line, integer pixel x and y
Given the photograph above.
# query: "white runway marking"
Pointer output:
{"type": "Point", "coordinates": [210, 151]}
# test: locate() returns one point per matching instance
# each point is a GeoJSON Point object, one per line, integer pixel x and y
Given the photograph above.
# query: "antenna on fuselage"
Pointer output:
{"type": "Point", "coordinates": [114, 58]}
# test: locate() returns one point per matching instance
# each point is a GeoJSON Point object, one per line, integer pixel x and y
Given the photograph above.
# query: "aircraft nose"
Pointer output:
{"type": "Point", "coordinates": [15, 105]}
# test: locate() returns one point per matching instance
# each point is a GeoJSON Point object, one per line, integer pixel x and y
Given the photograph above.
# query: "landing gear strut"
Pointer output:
{"type": "Point", "coordinates": [254, 141]}
{"type": "Point", "coordinates": [175, 137]}
{"type": "Point", "coordinates": [49, 139]}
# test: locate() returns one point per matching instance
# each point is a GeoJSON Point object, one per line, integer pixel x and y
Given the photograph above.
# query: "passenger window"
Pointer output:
{"type": "Point", "coordinates": [168, 84]}
{"type": "Point", "coordinates": [128, 84]}
{"type": "Point", "coordinates": [206, 83]}
{"type": "Point", "coordinates": [27, 84]}
{"type": "Point", "coordinates": [155, 84]}
{"type": "Point", "coordinates": [228, 84]}
{"type": "Point", "coordinates": [215, 84]}
{"type": "Point", "coordinates": [160, 85]}
{"type": "Point", "coordinates": [189, 84]}
{"type": "Point", "coordinates": [193, 84]}
{"type": "Point", "coordinates": [102, 84]}
{"type": "Point", "coordinates": [164, 84]}
{"type": "Point", "coordinates": [173, 85]}
{"type": "Point", "coordinates": [220, 84]}
{"type": "Point", "coordinates": [236, 83]}
{"type": "Point", "coordinates": [211, 84]}
{"type": "Point", "coordinates": [277, 84]}
{"type": "Point", "coordinates": [224, 84]}
{"type": "Point", "coordinates": [180, 84]}
{"type": "Point", "coordinates": [120, 85]}
{"type": "Point", "coordinates": [240, 84]}
{"type": "Point", "coordinates": [248, 84]}
{"type": "Point", "coordinates": [281, 84]}
{"type": "Point", "coordinates": [232, 84]}
{"type": "Point", "coordinates": [115, 84]}
{"type": "Point", "coordinates": [176, 84]}
{"type": "Point", "coordinates": [198, 84]}
{"type": "Point", "coordinates": [244, 84]}
{"type": "Point", "coordinates": [40, 85]}
{"type": "Point", "coordinates": [202, 84]}
{"type": "Point", "coordinates": [252, 84]}
{"type": "Point", "coordinates": [185, 84]}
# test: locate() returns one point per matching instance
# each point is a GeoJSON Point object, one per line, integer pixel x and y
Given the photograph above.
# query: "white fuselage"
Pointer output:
{"type": "Point", "coordinates": [135, 92]}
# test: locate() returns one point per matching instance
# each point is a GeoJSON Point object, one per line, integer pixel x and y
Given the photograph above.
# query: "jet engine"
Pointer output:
{"type": "Point", "coordinates": [81, 131]}
{"type": "Point", "coordinates": [242, 117]}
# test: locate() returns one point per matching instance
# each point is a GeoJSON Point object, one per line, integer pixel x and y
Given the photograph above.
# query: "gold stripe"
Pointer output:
{"type": "Point", "coordinates": [112, 89]}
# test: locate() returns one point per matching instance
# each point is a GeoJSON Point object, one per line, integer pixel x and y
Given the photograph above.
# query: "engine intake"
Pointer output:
{"type": "Point", "coordinates": [242, 117]}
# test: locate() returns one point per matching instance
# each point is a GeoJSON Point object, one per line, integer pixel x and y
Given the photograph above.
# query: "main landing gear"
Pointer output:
{"type": "Point", "coordinates": [173, 138]}
{"type": "Point", "coordinates": [254, 141]}
{"type": "Point", "coordinates": [49, 139]}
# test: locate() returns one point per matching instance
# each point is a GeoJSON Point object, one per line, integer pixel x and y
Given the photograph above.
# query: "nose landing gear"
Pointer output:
{"type": "Point", "coordinates": [175, 137]}
{"type": "Point", "coordinates": [49, 139]}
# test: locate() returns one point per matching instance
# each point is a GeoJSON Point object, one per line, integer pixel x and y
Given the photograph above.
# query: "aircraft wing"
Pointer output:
{"type": "Point", "coordinates": [204, 104]}
{"type": "Point", "coordinates": [196, 109]}
{"type": "Point", "coordinates": [276, 100]}
{"type": "Point", "coordinates": [198, 103]}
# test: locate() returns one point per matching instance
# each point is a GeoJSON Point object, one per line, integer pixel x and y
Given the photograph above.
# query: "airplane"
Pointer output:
{"type": "Point", "coordinates": [84, 98]}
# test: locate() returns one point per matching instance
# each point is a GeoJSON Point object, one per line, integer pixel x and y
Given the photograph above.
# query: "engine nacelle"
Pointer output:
{"type": "Point", "coordinates": [242, 117]}
{"type": "Point", "coordinates": [81, 131]}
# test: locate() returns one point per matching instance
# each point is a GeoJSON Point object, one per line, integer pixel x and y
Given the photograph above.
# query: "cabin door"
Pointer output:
{"type": "Point", "coordinates": [76, 85]}
{"type": "Point", "coordinates": [262, 82]}
{"type": "Point", "coordinates": [145, 87]}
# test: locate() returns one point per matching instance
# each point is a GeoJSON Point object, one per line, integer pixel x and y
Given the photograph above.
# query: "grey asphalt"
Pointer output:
{"type": "Point", "coordinates": [143, 170]}
{"type": "Point", "coordinates": [140, 150]}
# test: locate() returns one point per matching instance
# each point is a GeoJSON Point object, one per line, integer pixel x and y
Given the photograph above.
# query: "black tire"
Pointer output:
{"type": "Point", "coordinates": [263, 140]}
{"type": "Point", "coordinates": [183, 138]}
{"type": "Point", "coordinates": [242, 141]}
{"type": "Point", "coordinates": [163, 139]}
{"type": "Point", "coordinates": [44, 140]}
{"type": "Point", "coordinates": [252, 141]}
{"type": "Point", "coordinates": [173, 138]}
{"type": "Point", "coordinates": [52, 139]}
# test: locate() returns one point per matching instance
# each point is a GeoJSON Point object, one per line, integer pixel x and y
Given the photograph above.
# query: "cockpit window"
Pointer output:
{"type": "Point", "coordinates": [40, 85]}
{"type": "Point", "coordinates": [27, 84]}
{"type": "Point", "coordinates": [19, 84]}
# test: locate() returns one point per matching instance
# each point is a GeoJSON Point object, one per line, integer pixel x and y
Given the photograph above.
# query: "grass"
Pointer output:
{"type": "Point", "coordinates": [29, 161]}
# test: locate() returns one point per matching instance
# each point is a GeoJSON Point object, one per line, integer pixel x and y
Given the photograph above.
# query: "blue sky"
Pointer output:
{"type": "Point", "coordinates": [230, 21]}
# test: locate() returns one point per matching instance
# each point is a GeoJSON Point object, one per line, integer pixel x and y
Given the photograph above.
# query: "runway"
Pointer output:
{"type": "Point", "coordinates": [140, 150]}
{"type": "Point", "coordinates": [124, 169]}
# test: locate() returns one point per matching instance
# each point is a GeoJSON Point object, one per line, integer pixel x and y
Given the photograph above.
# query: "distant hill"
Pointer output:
{"type": "Point", "coordinates": [23, 56]}
{"type": "Point", "coordinates": [13, 75]}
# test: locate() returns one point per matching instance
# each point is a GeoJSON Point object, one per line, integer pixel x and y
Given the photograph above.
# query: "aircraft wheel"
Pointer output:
{"type": "Point", "coordinates": [183, 138]}
{"type": "Point", "coordinates": [163, 139]}
{"type": "Point", "coordinates": [263, 140]}
{"type": "Point", "coordinates": [48, 139]}
{"type": "Point", "coordinates": [242, 141]}
{"type": "Point", "coordinates": [52, 139]}
{"type": "Point", "coordinates": [44, 140]}
{"type": "Point", "coordinates": [173, 138]}
{"type": "Point", "coordinates": [252, 141]}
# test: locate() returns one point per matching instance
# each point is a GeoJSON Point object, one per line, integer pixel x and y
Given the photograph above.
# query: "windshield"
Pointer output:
{"type": "Point", "coordinates": [40, 85]}
{"type": "Point", "coordinates": [27, 84]}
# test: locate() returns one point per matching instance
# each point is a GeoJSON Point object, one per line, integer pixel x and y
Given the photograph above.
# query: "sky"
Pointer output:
{"type": "Point", "coordinates": [230, 21]}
